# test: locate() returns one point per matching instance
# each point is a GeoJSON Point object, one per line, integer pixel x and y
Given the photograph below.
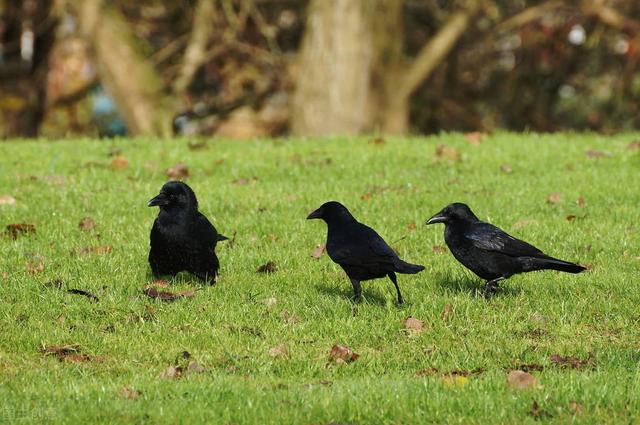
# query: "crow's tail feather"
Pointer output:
{"type": "Point", "coordinates": [407, 268]}
{"type": "Point", "coordinates": [560, 265]}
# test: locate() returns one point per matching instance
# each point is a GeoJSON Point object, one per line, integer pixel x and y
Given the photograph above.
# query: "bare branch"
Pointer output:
{"type": "Point", "coordinates": [610, 16]}
{"type": "Point", "coordinates": [434, 52]}
{"type": "Point", "coordinates": [195, 55]}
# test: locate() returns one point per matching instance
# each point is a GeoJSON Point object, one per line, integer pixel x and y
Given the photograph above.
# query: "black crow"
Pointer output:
{"type": "Point", "coordinates": [182, 239]}
{"type": "Point", "coordinates": [490, 252]}
{"type": "Point", "coordinates": [359, 250]}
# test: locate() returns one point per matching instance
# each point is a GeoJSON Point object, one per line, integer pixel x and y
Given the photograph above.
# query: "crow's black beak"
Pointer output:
{"type": "Point", "coordinates": [438, 218]}
{"type": "Point", "coordinates": [316, 214]}
{"type": "Point", "coordinates": [158, 201]}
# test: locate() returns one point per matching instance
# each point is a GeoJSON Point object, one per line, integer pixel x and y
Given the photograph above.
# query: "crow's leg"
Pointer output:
{"type": "Point", "coordinates": [208, 277]}
{"type": "Point", "coordinates": [492, 286]}
{"type": "Point", "coordinates": [357, 290]}
{"type": "Point", "coordinates": [392, 276]}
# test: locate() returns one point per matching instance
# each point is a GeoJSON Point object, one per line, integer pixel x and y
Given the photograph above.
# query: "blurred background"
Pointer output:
{"type": "Point", "coordinates": [260, 68]}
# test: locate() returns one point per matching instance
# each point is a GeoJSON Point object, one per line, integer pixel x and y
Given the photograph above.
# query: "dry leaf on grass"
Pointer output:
{"type": "Point", "coordinates": [447, 152]}
{"type": "Point", "coordinates": [98, 250]}
{"type": "Point", "coordinates": [318, 251]}
{"type": "Point", "coordinates": [506, 168]}
{"type": "Point", "coordinates": [576, 407]}
{"type": "Point", "coordinates": [474, 138]}
{"type": "Point", "coordinates": [270, 302]}
{"type": "Point", "coordinates": [178, 172]}
{"type": "Point", "coordinates": [269, 267]}
{"type": "Point", "coordinates": [521, 380]}
{"type": "Point", "coordinates": [279, 351]}
{"type": "Point", "coordinates": [7, 200]}
{"type": "Point", "coordinates": [71, 353]}
{"type": "Point", "coordinates": [573, 362]}
{"type": "Point", "coordinates": [581, 202]}
{"type": "Point", "coordinates": [341, 354]}
{"type": "Point", "coordinates": [166, 295]}
{"type": "Point", "coordinates": [119, 162]}
{"type": "Point", "coordinates": [16, 229]}
{"type": "Point", "coordinates": [197, 146]}
{"type": "Point", "coordinates": [537, 412]}
{"type": "Point", "coordinates": [439, 249]}
{"type": "Point", "coordinates": [289, 318]}
{"type": "Point", "coordinates": [129, 393]}
{"type": "Point", "coordinates": [34, 267]}
{"type": "Point", "coordinates": [379, 141]}
{"type": "Point", "coordinates": [446, 311]}
{"type": "Point", "coordinates": [413, 325]}
{"type": "Point", "coordinates": [554, 198]}
{"type": "Point", "coordinates": [87, 224]}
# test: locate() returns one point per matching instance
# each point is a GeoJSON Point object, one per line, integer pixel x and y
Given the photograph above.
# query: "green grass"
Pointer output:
{"type": "Point", "coordinates": [229, 330]}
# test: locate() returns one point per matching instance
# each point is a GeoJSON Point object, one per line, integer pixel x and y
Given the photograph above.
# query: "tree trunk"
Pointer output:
{"type": "Point", "coordinates": [125, 72]}
{"type": "Point", "coordinates": [333, 82]}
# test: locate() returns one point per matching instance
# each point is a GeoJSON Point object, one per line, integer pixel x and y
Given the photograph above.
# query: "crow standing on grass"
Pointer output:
{"type": "Point", "coordinates": [359, 250]}
{"type": "Point", "coordinates": [182, 239]}
{"type": "Point", "coordinates": [488, 251]}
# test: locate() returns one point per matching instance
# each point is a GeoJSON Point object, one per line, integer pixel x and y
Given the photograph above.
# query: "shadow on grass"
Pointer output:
{"type": "Point", "coordinates": [346, 292]}
{"type": "Point", "coordinates": [472, 286]}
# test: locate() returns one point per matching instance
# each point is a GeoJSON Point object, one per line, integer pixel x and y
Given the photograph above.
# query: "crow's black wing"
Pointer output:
{"type": "Point", "coordinates": [361, 245]}
{"type": "Point", "coordinates": [488, 237]}
{"type": "Point", "coordinates": [205, 232]}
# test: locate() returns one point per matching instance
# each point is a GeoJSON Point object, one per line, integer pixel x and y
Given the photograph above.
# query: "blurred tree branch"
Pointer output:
{"type": "Point", "coordinates": [610, 16]}
{"type": "Point", "coordinates": [195, 55]}
{"type": "Point", "coordinates": [126, 73]}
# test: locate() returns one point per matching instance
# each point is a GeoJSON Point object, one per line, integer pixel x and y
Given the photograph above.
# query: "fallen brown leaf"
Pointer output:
{"type": "Point", "coordinates": [366, 196]}
{"type": "Point", "coordinates": [430, 371]}
{"type": "Point", "coordinates": [521, 380]}
{"type": "Point", "coordinates": [289, 318]}
{"type": "Point", "coordinates": [158, 283]}
{"type": "Point", "coordinates": [378, 141]}
{"type": "Point", "coordinates": [440, 249]}
{"type": "Point", "coordinates": [7, 200]}
{"type": "Point", "coordinates": [446, 311]}
{"type": "Point", "coordinates": [447, 152]}
{"type": "Point", "coordinates": [171, 372]}
{"type": "Point", "coordinates": [166, 295]}
{"type": "Point", "coordinates": [537, 412]}
{"type": "Point", "coordinates": [634, 146]}
{"type": "Point", "coordinates": [554, 198]}
{"type": "Point", "coordinates": [592, 153]}
{"type": "Point", "coordinates": [506, 168]}
{"type": "Point", "coordinates": [178, 172]}
{"type": "Point", "coordinates": [71, 353]}
{"type": "Point", "coordinates": [279, 351]}
{"type": "Point", "coordinates": [571, 217]}
{"type": "Point", "coordinates": [270, 302]}
{"type": "Point", "coordinates": [129, 393]}
{"type": "Point", "coordinates": [412, 226]}
{"type": "Point", "coordinates": [34, 267]}
{"type": "Point", "coordinates": [98, 250]}
{"type": "Point", "coordinates": [318, 251]}
{"type": "Point", "coordinates": [16, 229]}
{"type": "Point", "coordinates": [244, 181]}
{"type": "Point", "coordinates": [576, 407]}
{"type": "Point", "coordinates": [87, 224]}
{"type": "Point", "coordinates": [474, 138]}
{"type": "Point", "coordinates": [54, 284]}
{"type": "Point", "coordinates": [581, 202]}
{"type": "Point", "coordinates": [413, 325]}
{"type": "Point", "coordinates": [268, 267]}
{"type": "Point", "coordinates": [522, 223]}
{"type": "Point", "coordinates": [342, 354]}
{"type": "Point", "coordinates": [573, 362]}
{"type": "Point", "coordinates": [530, 367]}
{"type": "Point", "coordinates": [119, 162]}
{"type": "Point", "coordinates": [83, 293]}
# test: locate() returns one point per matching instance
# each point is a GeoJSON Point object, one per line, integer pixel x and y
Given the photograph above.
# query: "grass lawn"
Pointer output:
{"type": "Point", "coordinates": [259, 343]}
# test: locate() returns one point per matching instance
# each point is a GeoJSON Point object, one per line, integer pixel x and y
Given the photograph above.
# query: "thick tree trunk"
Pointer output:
{"type": "Point", "coordinates": [126, 73]}
{"type": "Point", "coordinates": [333, 84]}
